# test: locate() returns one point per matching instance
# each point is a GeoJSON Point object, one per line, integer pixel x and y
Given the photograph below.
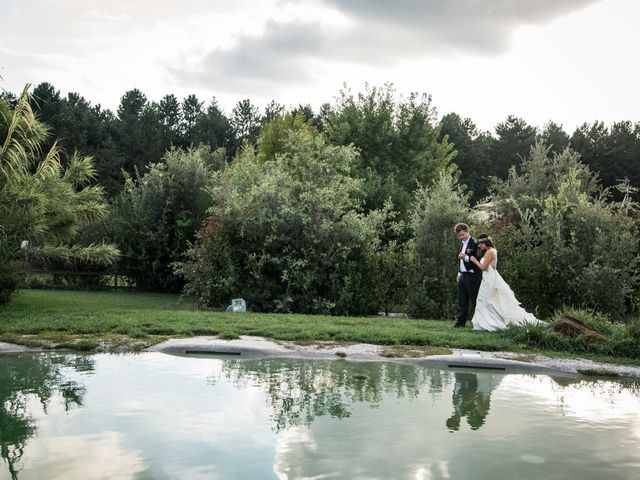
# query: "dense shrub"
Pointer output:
{"type": "Point", "coordinates": [562, 243]}
{"type": "Point", "coordinates": [9, 276]}
{"type": "Point", "coordinates": [158, 213]}
{"type": "Point", "coordinates": [437, 209]}
{"type": "Point", "coordinates": [286, 233]}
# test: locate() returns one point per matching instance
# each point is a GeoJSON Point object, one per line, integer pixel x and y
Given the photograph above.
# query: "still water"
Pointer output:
{"type": "Point", "coordinates": [156, 416]}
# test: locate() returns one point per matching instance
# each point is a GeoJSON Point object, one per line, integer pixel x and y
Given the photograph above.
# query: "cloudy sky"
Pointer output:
{"type": "Point", "coordinates": [567, 60]}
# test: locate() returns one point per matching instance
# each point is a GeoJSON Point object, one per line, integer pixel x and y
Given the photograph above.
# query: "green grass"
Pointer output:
{"type": "Point", "coordinates": [74, 316]}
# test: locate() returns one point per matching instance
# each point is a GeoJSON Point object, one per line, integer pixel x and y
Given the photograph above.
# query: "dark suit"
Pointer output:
{"type": "Point", "coordinates": [469, 283]}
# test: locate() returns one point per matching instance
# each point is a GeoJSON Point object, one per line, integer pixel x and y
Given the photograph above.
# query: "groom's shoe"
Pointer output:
{"type": "Point", "coordinates": [458, 326]}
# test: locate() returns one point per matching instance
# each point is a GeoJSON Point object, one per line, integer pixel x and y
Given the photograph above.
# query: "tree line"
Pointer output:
{"type": "Point", "coordinates": [344, 210]}
{"type": "Point", "coordinates": [140, 131]}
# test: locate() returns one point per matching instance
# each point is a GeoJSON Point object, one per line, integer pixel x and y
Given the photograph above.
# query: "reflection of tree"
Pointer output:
{"type": "Point", "coordinates": [469, 401]}
{"type": "Point", "coordinates": [25, 378]}
{"type": "Point", "coordinates": [300, 390]}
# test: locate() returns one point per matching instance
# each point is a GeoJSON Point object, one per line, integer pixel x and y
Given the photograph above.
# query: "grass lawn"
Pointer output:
{"type": "Point", "coordinates": [60, 318]}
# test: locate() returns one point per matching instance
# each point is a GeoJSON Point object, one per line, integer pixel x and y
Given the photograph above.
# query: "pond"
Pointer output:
{"type": "Point", "coordinates": [157, 416]}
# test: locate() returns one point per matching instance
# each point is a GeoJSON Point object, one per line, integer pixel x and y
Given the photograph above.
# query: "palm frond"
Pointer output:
{"type": "Point", "coordinates": [80, 170]}
{"type": "Point", "coordinates": [21, 145]}
{"type": "Point", "coordinates": [97, 253]}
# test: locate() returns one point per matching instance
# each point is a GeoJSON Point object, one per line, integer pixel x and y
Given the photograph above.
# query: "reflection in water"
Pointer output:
{"type": "Point", "coordinates": [155, 416]}
{"type": "Point", "coordinates": [299, 391]}
{"type": "Point", "coordinates": [471, 399]}
{"type": "Point", "coordinates": [26, 378]}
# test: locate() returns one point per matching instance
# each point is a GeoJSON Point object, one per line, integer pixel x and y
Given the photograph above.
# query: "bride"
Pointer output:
{"type": "Point", "coordinates": [497, 306]}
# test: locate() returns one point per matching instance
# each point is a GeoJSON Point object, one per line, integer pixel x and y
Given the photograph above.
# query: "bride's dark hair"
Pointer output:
{"type": "Point", "coordinates": [485, 240]}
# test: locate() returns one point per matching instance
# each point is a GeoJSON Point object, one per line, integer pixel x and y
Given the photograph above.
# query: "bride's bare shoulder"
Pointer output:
{"type": "Point", "coordinates": [490, 253]}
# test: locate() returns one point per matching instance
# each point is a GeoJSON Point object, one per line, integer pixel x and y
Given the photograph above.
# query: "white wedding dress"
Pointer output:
{"type": "Point", "coordinates": [497, 306]}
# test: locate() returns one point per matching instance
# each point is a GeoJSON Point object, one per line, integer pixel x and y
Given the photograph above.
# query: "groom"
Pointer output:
{"type": "Point", "coordinates": [469, 276]}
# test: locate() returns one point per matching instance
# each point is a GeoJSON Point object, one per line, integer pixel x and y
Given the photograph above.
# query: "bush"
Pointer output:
{"type": "Point", "coordinates": [560, 243]}
{"type": "Point", "coordinates": [286, 233]}
{"type": "Point", "coordinates": [9, 274]}
{"type": "Point", "coordinates": [156, 216]}
{"type": "Point", "coordinates": [618, 341]}
{"type": "Point", "coordinates": [436, 210]}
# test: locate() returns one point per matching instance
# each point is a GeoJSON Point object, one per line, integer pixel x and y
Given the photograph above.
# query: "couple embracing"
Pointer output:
{"type": "Point", "coordinates": [479, 282]}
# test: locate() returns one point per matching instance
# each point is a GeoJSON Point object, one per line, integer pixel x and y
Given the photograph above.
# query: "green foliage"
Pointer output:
{"type": "Point", "coordinates": [40, 200]}
{"type": "Point", "coordinates": [561, 244]}
{"type": "Point", "coordinates": [393, 267]}
{"type": "Point", "coordinates": [473, 153]}
{"type": "Point", "coordinates": [286, 234]}
{"type": "Point", "coordinates": [633, 329]}
{"type": "Point", "coordinates": [555, 137]}
{"type": "Point", "coordinates": [245, 121]}
{"type": "Point", "coordinates": [157, 214]}
{"type": "Point", "coordinates": [617, 339]}
{"type": "Point", "coordinates": [9, 276]}
{"type": "Point", "coordinates": [275, 134]}
{"type": "Point", "coordinates": [437, 209]}
{"type": "Point", "coordinates": [612, 152]}
{"type": "Point", "coordinates": [541, 174]}
{"type": "Point", "coordinates": [397, 139]}
{"type": "Point", "coordinates": [514, 140]}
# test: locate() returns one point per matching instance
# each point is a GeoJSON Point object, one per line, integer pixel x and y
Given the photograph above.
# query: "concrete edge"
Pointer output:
{"type": "Point", "coordinates": [242, 349]}
{"type": "Point", "coordinates": [257, 347]}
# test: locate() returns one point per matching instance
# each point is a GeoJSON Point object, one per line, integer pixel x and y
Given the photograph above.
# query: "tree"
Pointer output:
{"type": "Point", "coordinates": [170, 112]}
{"type": "Point", "coordinates": [191, 114]}
{"type": "Point", "coordinates": [541, 175]}
{"type": "Point", "coordinates": [309, 116]}
{"type": "Point", "coordinates": [286, 233]}
{"type": "Point", "coordinates": [613, 153]}
{"type": "Point", "coordinates": [42, 202]}
{"type": "Point", "coordinates": [473, 153]}
{"type": "Point", "coordinates": [272, 111]}
{"type": "Point", "coordinates": [157, 214]}
{"type": "Point", "coordinates": [397, 140]}
{"type": "Point", "coordinates": [138, 131]}
{"type": "Point", "coordinates": [555, 137]}
{"type": "Point", "coordinates": [78, 125]}
{"type": "Point", "coordinates": [214, 129]}
{"type": "Point", "coordinates": [514, 140]}
{"type": "Point", "coordinates": [245, 123]}
{"type": "Point", "coordinates": [275, 135]}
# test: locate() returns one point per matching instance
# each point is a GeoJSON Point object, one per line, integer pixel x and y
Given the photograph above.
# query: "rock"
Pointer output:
{"type": "Point", "coordinates": [569, 326]}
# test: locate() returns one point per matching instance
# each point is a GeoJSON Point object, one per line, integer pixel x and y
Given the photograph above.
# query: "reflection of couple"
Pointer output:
{"type": "Point", "coordinates": [480, 282]}
{"type": "Point", "coordinates": [471, 398]}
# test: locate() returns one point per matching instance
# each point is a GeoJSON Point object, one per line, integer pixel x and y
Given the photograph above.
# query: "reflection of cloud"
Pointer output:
{"type": "Point", "coordinates": [435, 470]}
{"type": "Point", "coordinates": [88, 456]}
{"type": "Point", "coordinates": [607, 403]}
{"type": "Point", "coordinates": [291, 443]}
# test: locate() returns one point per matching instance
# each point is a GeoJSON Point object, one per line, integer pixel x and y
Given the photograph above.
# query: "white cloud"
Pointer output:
{"type": "Point", "coordinates": [570, 61]}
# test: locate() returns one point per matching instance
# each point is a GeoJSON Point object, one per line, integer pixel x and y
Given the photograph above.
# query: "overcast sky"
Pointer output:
{"type": "Point", "coordinates": [567, 60]}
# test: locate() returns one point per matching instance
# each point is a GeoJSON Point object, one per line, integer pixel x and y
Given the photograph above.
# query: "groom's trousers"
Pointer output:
{"type": "Point", "coordinates": [468, 287]}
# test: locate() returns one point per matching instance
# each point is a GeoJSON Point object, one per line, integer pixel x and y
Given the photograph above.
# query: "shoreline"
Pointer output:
{"type": "Point", "coordinates": [259, 347]}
